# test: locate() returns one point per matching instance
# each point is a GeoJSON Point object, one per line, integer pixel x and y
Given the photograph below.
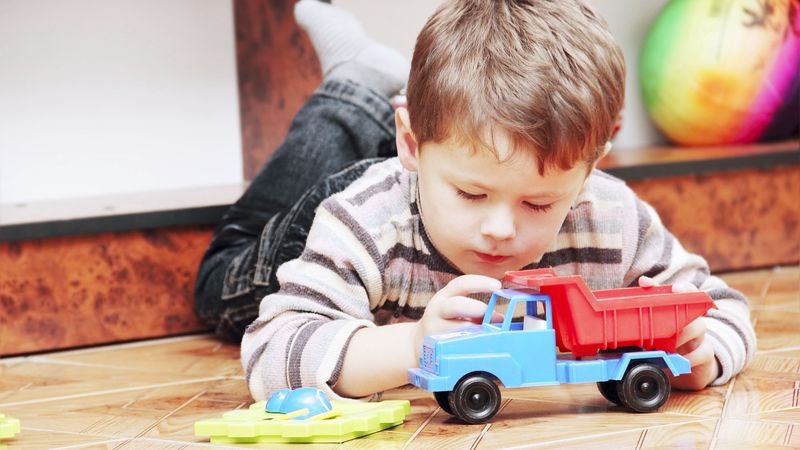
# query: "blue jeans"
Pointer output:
{"type": "Point", "coordinates": [342, 130]}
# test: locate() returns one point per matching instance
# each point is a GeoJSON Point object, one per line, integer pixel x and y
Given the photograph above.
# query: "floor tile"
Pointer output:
{"type": "Point", "coordinates": [190, 356]}
{"type": "Point", "coordinates": [754, 395]}
{"type": "Point", "coordinates": [37, 380]}
{"type": "Point", "coordinates": [153, 412]}
{"type": "Point", "coordinates": [460, 439]}
{"type": "Point", "coordinates": [734, 433]}
{"type": "Point", "coordinates": [776, 364]}
{"type": "Point", "coordinates": [692, 435]}
{"type": "Point", "coordinates": [753, 284]}
{"type": "Point", "coordinates": [158, 444]}
{"type": "Point", "coordinates": [610, 441]}
{"type": "Point", "coordinates": [777, 329]}
{"type": "Point", "coordinates": [526, 422]}
{"type": "Point", "coordinates": [33, 439]}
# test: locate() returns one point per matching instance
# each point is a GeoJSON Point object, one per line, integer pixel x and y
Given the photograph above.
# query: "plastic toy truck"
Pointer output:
{"type": "Point", "coordinates": [622, 339]}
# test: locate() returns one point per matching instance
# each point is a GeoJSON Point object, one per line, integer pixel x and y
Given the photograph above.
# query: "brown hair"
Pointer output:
{"type": "Point", "coordinates": [548, 72]}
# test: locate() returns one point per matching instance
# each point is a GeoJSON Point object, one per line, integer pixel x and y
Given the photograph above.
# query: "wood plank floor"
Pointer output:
{"type": "Point", "coordinates": [149, 394]}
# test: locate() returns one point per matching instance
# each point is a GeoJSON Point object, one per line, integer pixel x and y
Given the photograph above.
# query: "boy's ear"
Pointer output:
{"type": "Point", "coordinates": [606, 149]}
{"type": "Point", "coordinates": [407, 149]}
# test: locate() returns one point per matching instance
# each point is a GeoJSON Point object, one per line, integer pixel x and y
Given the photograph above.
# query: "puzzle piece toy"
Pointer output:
{"type": "Point", "coordinates": [9, 427]}
{"type": "Point", "coordinates": [302, 403]}
{"type": "Point", "coordinates": [347, 419]}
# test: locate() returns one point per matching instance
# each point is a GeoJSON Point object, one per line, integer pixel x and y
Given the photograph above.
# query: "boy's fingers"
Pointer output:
{"type": "Point", "coordinates": [469, 284]}
{"type": "Point", "coordinates": [695, 329]}
{"type": "Point", "coordinates": [690, 346]}
{"type": "Point", "coordinates": [462, 308]}
{"type": "Point", "coordinates": [645, 281]}
{"type": "Point", "coordinates": [704, 354]}
{"type": "Point", "coordinates": [683, 287]}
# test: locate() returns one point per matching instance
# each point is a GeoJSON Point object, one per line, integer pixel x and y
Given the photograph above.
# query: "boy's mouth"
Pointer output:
{"type": "Point", "coordinates": [491, 259]}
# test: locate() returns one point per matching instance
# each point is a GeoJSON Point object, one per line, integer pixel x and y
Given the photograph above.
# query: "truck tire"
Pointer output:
{"type": "Point", "coordinates": [609, 390]}
{"type": "Point", "coordinates": [475, 398]}
{"type": "Point", "coordinates": [644, 388]}
{"type": "Point", "coordinates": [443, 399]}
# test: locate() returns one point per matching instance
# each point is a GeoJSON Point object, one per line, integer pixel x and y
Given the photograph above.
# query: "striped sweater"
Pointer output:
{"type": "Point", "coordinates": [368, 262]}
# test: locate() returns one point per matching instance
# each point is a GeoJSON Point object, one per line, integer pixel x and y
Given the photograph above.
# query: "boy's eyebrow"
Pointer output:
{"type": "Point", "coordinates": [547, 195]}
{"type": "Point", "coordinates": [543, 194]}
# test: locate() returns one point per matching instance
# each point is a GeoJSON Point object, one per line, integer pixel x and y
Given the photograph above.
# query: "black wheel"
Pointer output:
{"type": "Point", "coordinates": [443, 399]}
{"type": "Point", "coordinates": [609, 390]}
{"type": "Point", "coordinates": [475, 399]}
{"type": "Point", "coordinates": [644, 388]}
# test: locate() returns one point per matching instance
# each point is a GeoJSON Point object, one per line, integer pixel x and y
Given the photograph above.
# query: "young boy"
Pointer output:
{"type": "Point", "coordinates": [510, 106]}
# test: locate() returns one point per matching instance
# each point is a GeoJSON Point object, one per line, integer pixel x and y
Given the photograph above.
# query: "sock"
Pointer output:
{"type": "Point", "coordinates": [346, 52]}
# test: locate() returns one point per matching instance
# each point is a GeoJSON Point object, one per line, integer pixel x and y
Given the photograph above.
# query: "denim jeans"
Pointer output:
{"type": "Point", "coordinates": [342, 130]}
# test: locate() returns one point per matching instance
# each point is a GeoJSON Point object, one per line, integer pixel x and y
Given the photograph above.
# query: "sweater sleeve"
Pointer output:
{"type": "Point", "coordinates": [303, 330]}
{"type": "Point", "coordinates": [657, 254]}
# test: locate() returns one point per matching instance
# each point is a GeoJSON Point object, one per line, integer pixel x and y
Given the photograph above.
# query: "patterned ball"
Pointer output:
{"type": "Point", "coordinates": [717, 72]}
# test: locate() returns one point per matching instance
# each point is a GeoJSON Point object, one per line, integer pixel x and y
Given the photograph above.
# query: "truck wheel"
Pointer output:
{"type": "Point", "coordinates": [475, 399]}
{"type": "Point", "coordinates": [443, 399]}
{"type": "Point", "coordinates": [644, 388]}
{"type": "Point", "coordinates": [609, 391]}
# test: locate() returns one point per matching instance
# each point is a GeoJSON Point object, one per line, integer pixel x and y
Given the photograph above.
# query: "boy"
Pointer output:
{"type": "Point", "coordinates": [510, 106]}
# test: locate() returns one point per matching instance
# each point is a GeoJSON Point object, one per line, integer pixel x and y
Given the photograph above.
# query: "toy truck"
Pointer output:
{"type": "Point", "coordinates": [622, 339]}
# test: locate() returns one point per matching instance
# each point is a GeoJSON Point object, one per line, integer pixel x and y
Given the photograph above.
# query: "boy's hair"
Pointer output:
{"type": "Point", "coordinates": [548, 72]}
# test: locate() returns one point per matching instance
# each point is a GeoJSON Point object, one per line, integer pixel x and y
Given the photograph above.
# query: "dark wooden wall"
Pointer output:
{"type": "Point", "coordinates": [736, 220]}
{"type": "Point", "coordinates": [73, 291]}
{"type": "Point", "coordinates": [277, 70]}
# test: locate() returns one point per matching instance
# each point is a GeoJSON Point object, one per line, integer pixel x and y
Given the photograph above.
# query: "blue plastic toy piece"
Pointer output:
{"type": "Point", "coordinates": [276, 400]}
{"type": "Point", "coordinates": [287, 401]}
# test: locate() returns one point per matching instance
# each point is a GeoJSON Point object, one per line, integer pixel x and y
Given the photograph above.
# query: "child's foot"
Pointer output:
{"type": "Point", "coordinates": [345, 50]}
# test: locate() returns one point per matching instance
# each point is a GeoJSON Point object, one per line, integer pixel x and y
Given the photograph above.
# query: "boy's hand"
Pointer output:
{"type": "Point", "coordinates": [693, 346]}
{"type": "Point", "coordinates": [450, 308]}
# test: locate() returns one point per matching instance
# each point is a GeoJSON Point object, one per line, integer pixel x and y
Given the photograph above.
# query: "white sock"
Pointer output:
{"type": "Point", "coordinates": [346, 52]}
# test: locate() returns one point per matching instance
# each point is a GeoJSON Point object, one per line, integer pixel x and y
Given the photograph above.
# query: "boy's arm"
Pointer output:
{"type": "Point", "coordinates": [366, 371]}
{"type": "Point", "coordinates": [658, 255]}
{"type": "Point", "coordinates": [303, 329]}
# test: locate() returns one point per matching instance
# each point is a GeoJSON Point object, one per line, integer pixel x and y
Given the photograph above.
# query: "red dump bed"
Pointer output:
{"type": "Point", "coordinates": [587, 321]}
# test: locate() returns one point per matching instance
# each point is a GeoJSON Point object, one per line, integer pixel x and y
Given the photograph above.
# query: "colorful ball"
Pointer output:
{"type": "Point", "coordinates": [717, 72]}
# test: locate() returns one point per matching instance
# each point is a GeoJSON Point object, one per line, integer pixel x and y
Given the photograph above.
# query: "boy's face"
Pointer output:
{"type": "Point", "coordinates": [487, 216]}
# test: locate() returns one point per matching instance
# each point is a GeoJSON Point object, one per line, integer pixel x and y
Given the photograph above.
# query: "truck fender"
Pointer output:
{"type": "Point", "coordinates": [677, 364]}
{"type": "Point", "coordinates": [499, 365]}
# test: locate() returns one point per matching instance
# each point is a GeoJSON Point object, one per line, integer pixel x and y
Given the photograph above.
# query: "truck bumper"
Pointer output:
{"type": "Point", "coordinates": [428, 381]}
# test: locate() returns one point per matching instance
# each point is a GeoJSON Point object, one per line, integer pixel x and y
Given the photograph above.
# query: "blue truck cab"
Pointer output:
{"type": "Point", "coordinates": [464, 367]}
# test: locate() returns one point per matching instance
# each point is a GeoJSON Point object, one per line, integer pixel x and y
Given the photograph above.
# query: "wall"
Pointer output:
{"type": "Point", "coordinates": [117, 96]}
{"type": "Point", "coordinates": [113, 96]}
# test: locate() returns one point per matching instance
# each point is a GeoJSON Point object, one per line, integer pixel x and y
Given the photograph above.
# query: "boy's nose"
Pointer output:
{"type": "Point", "coordinates": [499, 225]}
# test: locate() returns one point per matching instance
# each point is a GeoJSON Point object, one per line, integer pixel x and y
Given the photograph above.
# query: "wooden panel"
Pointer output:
{"type": "Point", "coordinates": [83, 290]}
{"type": "Point", "coordinates": [705, 155]}
{"type": "Point", "coordinates": [736, 220]}
{"type": "Point", "coordinates": [278, 70]}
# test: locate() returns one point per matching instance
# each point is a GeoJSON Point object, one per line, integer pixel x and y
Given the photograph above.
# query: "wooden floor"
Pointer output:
{"type": "Point", "coordinates": [149, 394]}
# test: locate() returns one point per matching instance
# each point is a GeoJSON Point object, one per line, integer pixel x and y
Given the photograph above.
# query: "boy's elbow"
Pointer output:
{"type": "Point", "coordinates": [256, 372]}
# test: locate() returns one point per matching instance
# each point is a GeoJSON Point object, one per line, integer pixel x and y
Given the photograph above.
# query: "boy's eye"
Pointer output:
{"type": "Point", "coordinates": [538, 208]}
{"type": "Point", "coordinates": [469, 196]}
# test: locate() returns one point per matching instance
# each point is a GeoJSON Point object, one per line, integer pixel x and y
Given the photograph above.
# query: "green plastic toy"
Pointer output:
{"type": "Point", "coordinates": [9, 427]}
{"type": "Point", "coordinates": [349, 419]}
